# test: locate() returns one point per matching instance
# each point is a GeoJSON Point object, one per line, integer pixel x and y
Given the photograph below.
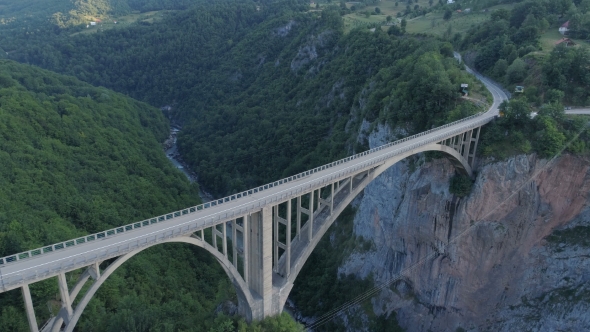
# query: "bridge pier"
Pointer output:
{"type": "Point", "coordinates": [29, 308]}
{"type": "Point", "coordinates": [263, 267]}
{"type": "Point", "coordinates": [465, 146]}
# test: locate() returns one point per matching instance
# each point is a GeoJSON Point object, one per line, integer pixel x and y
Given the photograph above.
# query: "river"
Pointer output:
{"type": "Point", "coordinates": [174, 156]}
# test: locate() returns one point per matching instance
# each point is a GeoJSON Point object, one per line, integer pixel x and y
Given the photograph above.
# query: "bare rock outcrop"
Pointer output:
{"type": "Point", "coordinates": [512, 256]}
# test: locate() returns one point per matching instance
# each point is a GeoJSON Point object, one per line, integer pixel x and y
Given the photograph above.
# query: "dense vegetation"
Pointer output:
{"type": "Point", "coordinates": [76, 159]}
{"type": "Point", "coordinates": [295, 86]}
{"type": "Point", "coordinates": [262, 92]}
{"type": "Point", "coordinates": [507, 48]}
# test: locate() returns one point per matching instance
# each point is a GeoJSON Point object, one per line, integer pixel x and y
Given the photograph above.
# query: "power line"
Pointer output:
{"type": "Point", "coordinates": [369, 293]}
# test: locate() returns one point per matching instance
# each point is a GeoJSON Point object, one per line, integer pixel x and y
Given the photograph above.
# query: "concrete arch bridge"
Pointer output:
{"type": "Point", "coordinates": [273, 228]}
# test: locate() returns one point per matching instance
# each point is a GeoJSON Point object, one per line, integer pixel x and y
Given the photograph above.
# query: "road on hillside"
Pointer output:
{"type": "Point", "coordinates": [580, 111]}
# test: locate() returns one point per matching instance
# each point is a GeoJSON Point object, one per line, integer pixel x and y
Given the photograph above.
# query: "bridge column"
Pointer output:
{"type": "Point", "coordinates": [66, 301]}
{"type": "Point", "coordinates": [471, 156]}
{"type": "Point", "coordinates": [29, 307]}
{"type": "Point", "coordinates": [276, 236]}
{"type": "Point", "coordinates": [234, 241]}
{"type": "Point", "coordinates": [299, 217]}
{"type": "Point", "coordinates": [245, 243]}
{"type": "Point", "coordinates": [214, 232]}
{"type": "Point", "coordinates": [467, 144]}
{"type": "Point", "coordinates": [310, 220]}
{"type": "Point", "coordinates": [224, 242]}
{"type": "Point", "coordinates": [288, 241]}
{"type": "Point", "coordinates": [260, 262]}
{"type": "Point", "coordinates": [332, 199]}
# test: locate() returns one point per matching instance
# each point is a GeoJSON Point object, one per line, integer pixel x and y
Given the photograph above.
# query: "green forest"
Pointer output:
{"type": "Point", "coordinates": [508, 49]}
{"type": "Point", "coordinates": [76, 159]}
{"type": "Point", "coordinates": [262, 90]}
{"type": "Point", "coordinates": [290, 82]}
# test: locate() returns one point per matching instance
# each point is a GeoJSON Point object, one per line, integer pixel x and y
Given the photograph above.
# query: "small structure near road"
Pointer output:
{"type": "Point", "coordinates": [464, 90]}
{"type": "Point", "coordinates": [519, 89]}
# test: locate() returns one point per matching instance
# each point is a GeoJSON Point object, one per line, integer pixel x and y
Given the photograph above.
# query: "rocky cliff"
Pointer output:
{"type": "Point", "coordinates": [514, 255]}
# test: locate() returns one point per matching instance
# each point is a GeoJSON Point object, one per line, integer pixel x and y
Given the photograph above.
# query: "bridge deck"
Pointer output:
{"type": "Point", "coordinates": [24, 271]}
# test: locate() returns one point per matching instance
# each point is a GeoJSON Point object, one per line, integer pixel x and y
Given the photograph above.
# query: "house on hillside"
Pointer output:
{"type": "Point", "coordinates": [567, 42]}
{"type": "Point", "coordinates": [564, 28]}
{"type": "Point", "coordinates": [450, 2]}
{"type": "Point", "coordinates": [92, 23]}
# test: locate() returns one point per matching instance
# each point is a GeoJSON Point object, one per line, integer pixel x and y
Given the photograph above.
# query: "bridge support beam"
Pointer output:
{"type": "Point", "coordinates": [29, 308]}
{"type": "Point", "coordinates": [310, 220]}
{"type": "Point", "coordinates": [260, 261]}
{"type": "Point", "coordinates": [66, 302]}
{"type": "Point", "coordinates": [262, 293]}
{"type": "Point", "coordinates": [465, 145]}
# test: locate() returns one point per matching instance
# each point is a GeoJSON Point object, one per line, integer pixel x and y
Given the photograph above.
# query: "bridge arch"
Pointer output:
{"type": "Point", "coordinates": [245, 297]}
{"type": "Point", "coordinates": [456, 158]}
{"type": "Point", "coordinates": [268, 274]}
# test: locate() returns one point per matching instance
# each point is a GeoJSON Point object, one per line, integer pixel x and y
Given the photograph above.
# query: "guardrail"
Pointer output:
{"type": "Point", "coordinates": [11, 280]}
{"type": "Point", "coordinates": [115, 231]}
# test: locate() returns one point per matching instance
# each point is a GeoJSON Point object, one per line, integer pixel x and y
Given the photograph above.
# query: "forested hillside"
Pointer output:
{"type": "Point", "coordinates": [75, 159]}
{"type": "Point", "coordinates": [264, 94]}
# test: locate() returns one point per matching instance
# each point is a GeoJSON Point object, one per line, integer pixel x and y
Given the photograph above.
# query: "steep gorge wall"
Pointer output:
{"type": "Point", "coordinates": [512, 256]}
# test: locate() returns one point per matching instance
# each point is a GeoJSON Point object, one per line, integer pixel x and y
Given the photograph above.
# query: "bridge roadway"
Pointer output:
{"type": "Point", "coordinates": [25, 271]}
{"type": "Point", "coordinates": [14, 274]}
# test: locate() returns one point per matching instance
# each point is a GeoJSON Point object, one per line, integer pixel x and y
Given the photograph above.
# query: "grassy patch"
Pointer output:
{"type": "Point", "coordinates": [552, 36]}
{"type": "Point", "coordinates": [359, 18]}
{"type": "Point", "coordinates": [124, 21]}
{"type": "Point", "coordinates": [434, 24]}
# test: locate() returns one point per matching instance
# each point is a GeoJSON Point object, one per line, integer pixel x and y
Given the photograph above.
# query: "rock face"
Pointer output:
{"type": "Point", "coordinates": [512, 256]}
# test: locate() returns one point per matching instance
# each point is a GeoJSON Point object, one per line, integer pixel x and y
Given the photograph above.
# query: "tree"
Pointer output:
{"type": "Point", "coordinates": [448, 15]}
{"type": "Point", "coordinates": [377, 10]}
{"type": "Point", "coordinates": [516, 72]}
{"type": "Point", "coordinates": [548, 139]}
{"type": "Point", "coordinates": [554, 110]}
{"type": "Point", "coordinates": [517, 112]}
{"type": "Point", "coordinates": [449, 31]}
{"type": "Point", "coordinates": [394, 30]}
{"type": "Point", "coordinates": [446, 49]}
{"type": "Point", "coordinates": [460, 185]}
{"type": "Point", "coordinates": [554, 96]}
{"type": "Point", "coordinates": [403, 25]}
{"type": "Point", "coordinates": [388, 18]}
{"type": "Point", "coordinates": [500, 68]}
{"type": "Point", "coordinates": [430, 2]}
{"type": "Point", "coordinates": [500, 14]}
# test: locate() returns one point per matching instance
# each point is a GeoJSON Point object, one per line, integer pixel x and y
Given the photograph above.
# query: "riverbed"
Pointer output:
{"type": "Point", "coordinates": [174, 156]}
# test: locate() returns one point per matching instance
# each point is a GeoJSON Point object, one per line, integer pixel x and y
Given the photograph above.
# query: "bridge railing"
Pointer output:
{"type": "Point", "coordinates": [126, 228]}
{"type": "Point", "coordinates": [12, 280]}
